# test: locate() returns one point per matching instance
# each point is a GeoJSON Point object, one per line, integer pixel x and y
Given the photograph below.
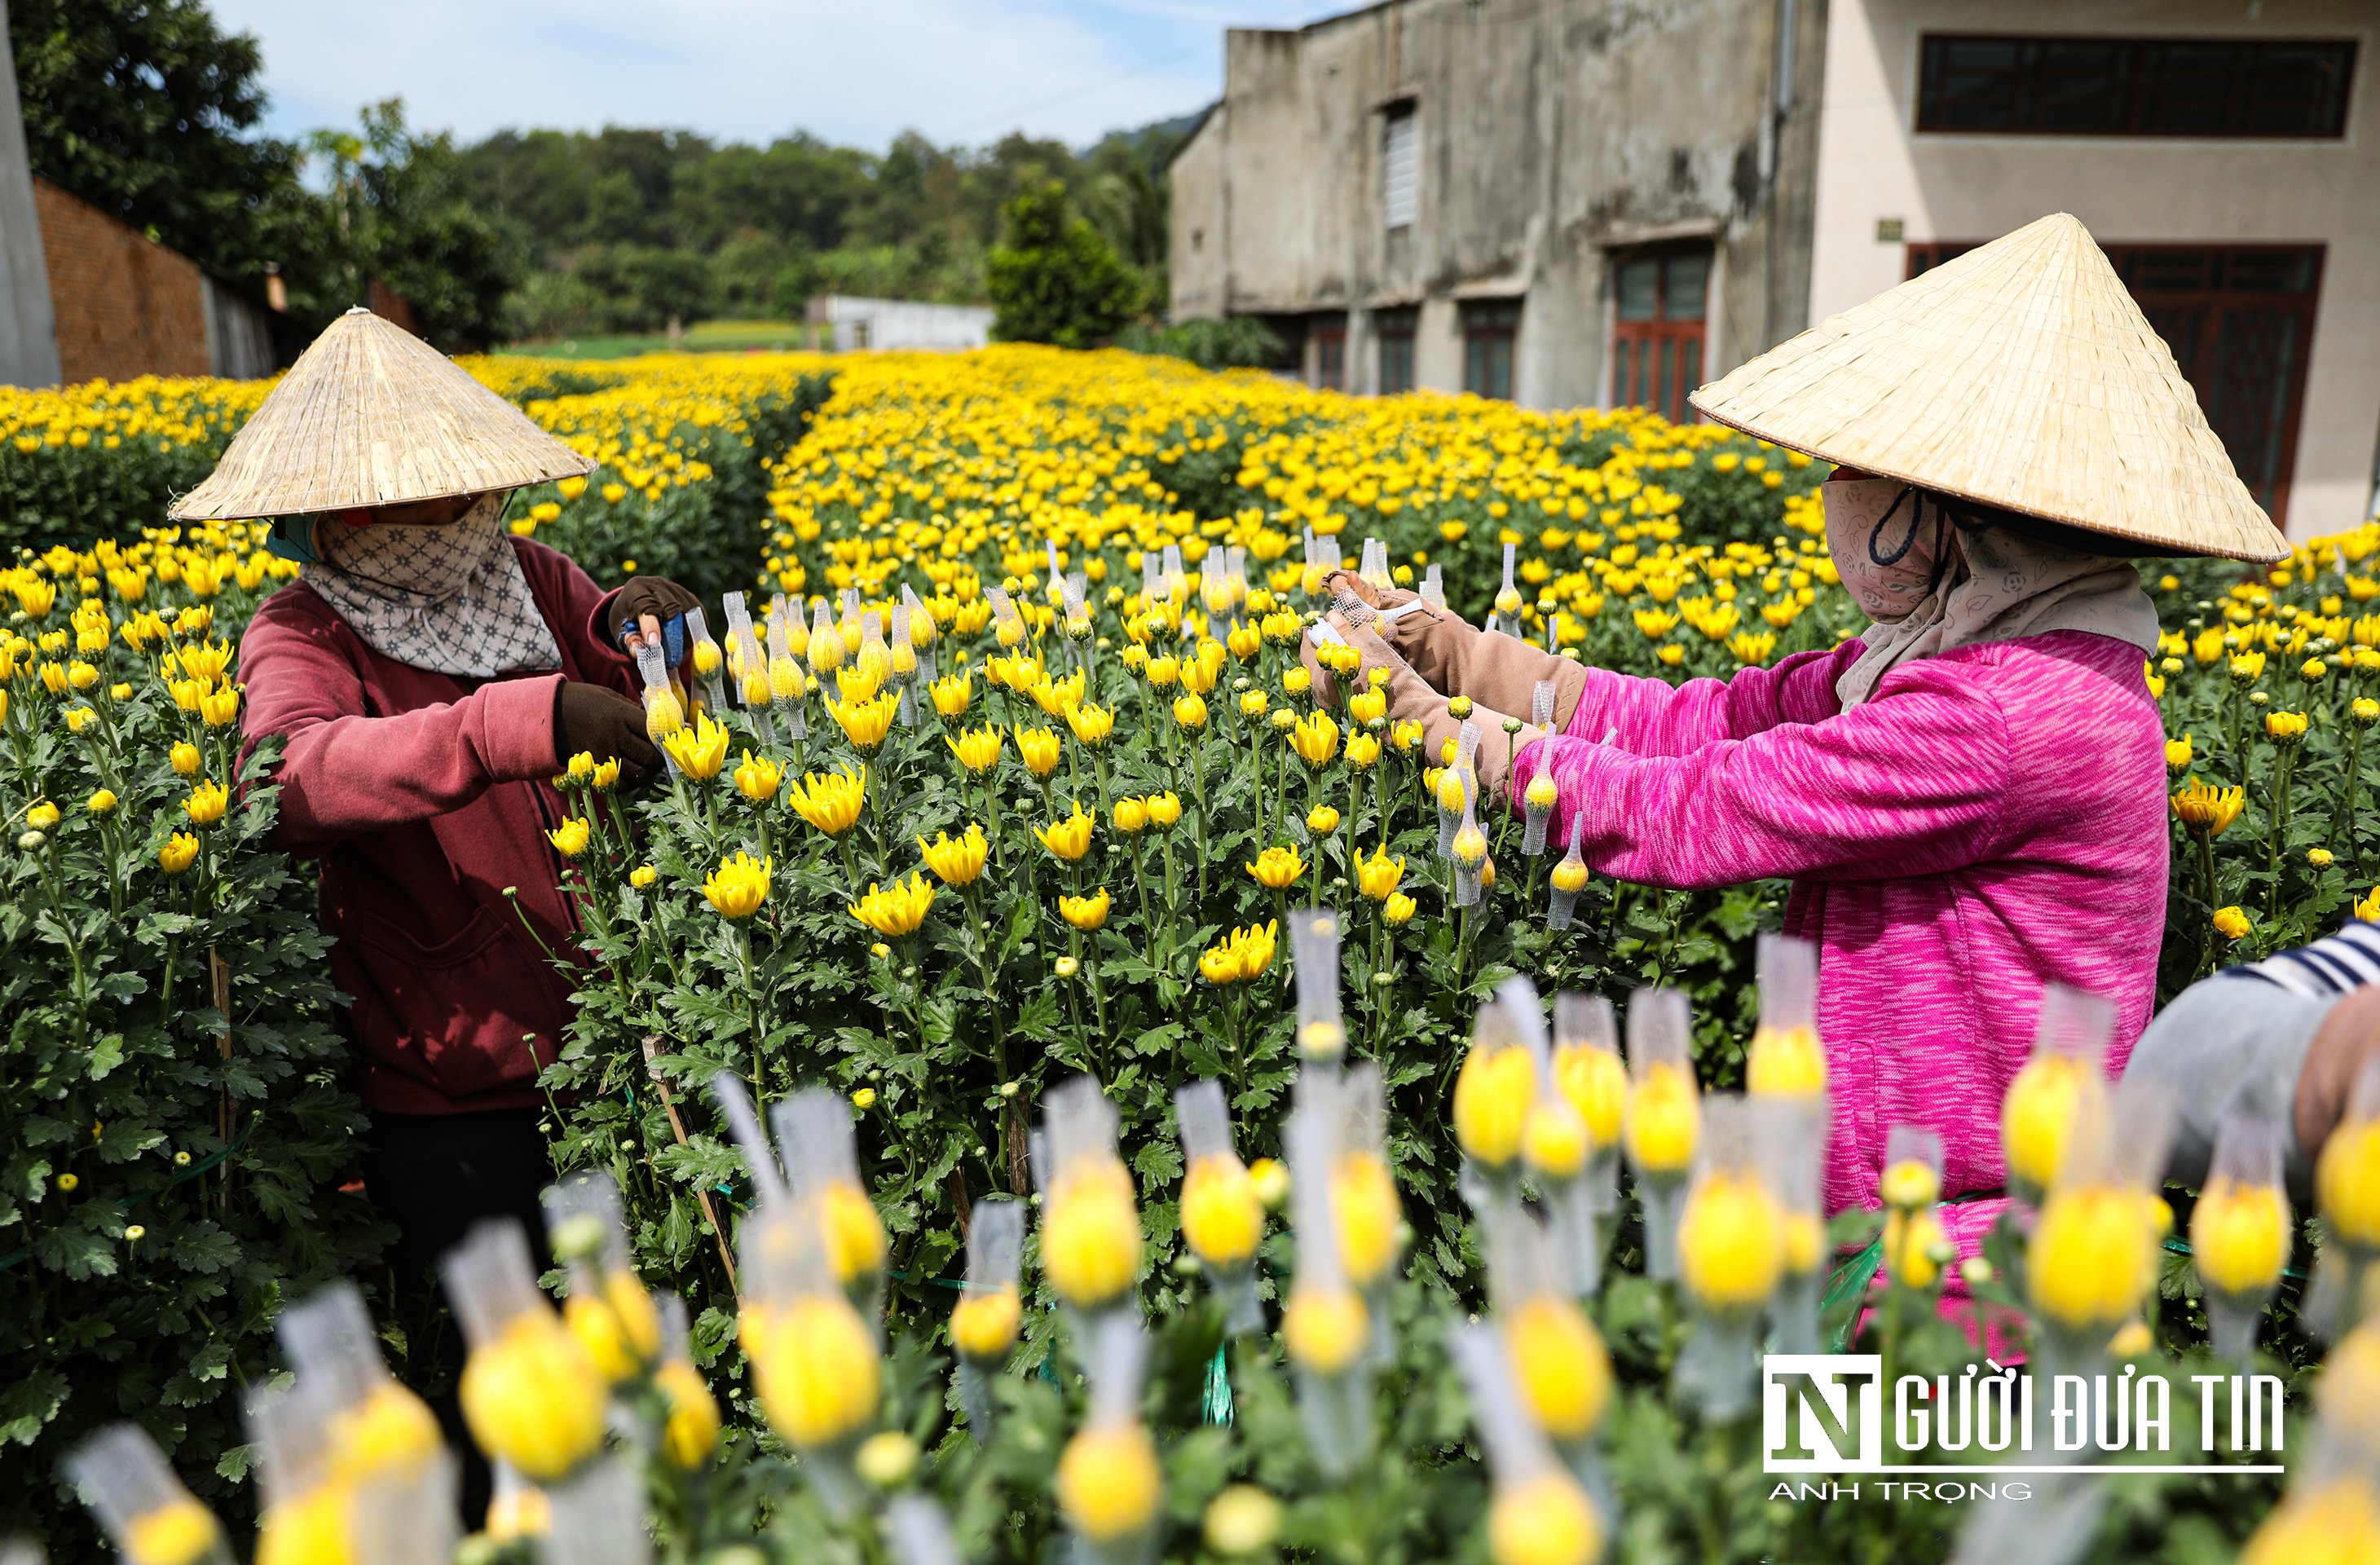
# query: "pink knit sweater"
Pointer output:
{"type": "Point", "coordinates": [1993, 820]}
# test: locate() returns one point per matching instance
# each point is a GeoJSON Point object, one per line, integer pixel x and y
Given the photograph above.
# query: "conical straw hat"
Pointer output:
{"type": "Point", "coordinates": [371, 415]}
{"type": "Point", "coordinates": [2020, 375]}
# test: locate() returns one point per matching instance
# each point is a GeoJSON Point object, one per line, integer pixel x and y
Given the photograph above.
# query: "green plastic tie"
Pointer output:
{"type": "Point", "coordinates": [1215, 1406]}
{"type": "Point", "coordinates": [1847, 1283]}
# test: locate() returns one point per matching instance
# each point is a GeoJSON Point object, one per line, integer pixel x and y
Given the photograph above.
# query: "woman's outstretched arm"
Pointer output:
{"type": "Point", "coordinates": [1908, 784]}
{"type": "Point", "coordinates": [1656, 717]}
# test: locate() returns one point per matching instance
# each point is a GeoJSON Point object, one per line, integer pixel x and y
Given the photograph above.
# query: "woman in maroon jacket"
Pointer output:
{"type": "Point", "coordinates": [426, 675]}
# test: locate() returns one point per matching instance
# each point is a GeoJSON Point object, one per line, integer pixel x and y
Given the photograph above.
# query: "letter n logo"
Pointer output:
{"type": "Point", "coordinates": [1821, 1412]}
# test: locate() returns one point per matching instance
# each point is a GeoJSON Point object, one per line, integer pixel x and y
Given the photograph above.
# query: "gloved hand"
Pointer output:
{"type": "Point", "coordinates": [1412, 697]}
{"type": "Point", "coordinates": [651, 611]}
{"type": "Point", "coordinates": [2346, 1041]}
{"type": "Point", "coordinates": [607, 725]}
{"type": "Point", "coordinates": [1501, 671]}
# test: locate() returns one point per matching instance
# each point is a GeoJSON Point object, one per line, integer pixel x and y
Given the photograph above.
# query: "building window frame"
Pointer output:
{"type": "Point", "coordinates": [2217, 89]}
{"type": "Point", "coordinates": [1393, 332]}
{"type": "Point", "coordinates": [1492, 335]}
{"type": "Point", "coordinates": [1660, 325]}
{"type": "Point", "coordinates": [1326, 351]}
{"type": "Point", "coordinates": [2222, 310]}
{"type": "Point", "coordinates": [1400, 165]}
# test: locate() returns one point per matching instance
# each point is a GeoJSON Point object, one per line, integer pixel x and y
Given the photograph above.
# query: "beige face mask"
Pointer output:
{"type": "Point", "coordinates": [1882, 546]}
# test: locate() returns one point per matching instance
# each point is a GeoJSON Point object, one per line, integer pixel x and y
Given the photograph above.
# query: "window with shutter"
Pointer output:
{"type": "Point", "coordinates": [1400, 170]}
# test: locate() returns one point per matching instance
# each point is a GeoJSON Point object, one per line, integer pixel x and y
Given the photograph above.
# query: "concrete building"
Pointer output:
{"type": "Point", "coordinates": [1600, 202]}
{"type": "Point", "coordinates": [843, 324]}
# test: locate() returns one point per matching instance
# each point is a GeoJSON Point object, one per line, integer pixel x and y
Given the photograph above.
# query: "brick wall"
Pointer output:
{"type": "Point", "coordinates": [125, 305]}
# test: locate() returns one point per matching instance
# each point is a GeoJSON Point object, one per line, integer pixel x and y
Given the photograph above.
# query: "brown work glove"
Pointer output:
{"type": "Point", "coordinates": [1412, 697]}
{"type": "Point", "coordinates": [1501, 671]}
{"type": "Point", "coordinates": [605, 725]}
{"type": "Point", "coordinates": [2348, 1041]}
{"type": "Point", "coordinates": [644, 606]}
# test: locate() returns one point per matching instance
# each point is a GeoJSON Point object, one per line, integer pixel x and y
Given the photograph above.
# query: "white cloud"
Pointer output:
{"type": "Point", "coordinates": [856, 71]}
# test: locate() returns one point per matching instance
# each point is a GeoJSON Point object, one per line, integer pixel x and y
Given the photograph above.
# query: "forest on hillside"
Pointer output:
{"type": "Point", "coordinates": [151, 111]}
{"type": "Point", "coordinates": [626, 229]}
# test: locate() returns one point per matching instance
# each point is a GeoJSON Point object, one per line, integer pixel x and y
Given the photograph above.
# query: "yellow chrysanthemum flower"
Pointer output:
{"type": "Point", "coordinates": [830, 801]}
{"type": "Point", "coordinates": [864, 723]}
{"type": "Point", "coordinates": [758, 777]}
{"type": "Point", "coordinates": [977, 749]}
{"type": "Point", "coordinates": [897, 910]}
{"type": "Point", "coordinates": [959, 862]}
{"type": "Point", "coordinates": [1278, 868]}
{"type": "Point", "coordinates": [1069, 839]}
{"type": "Point", "coordinates": [699, 749]}
{"type": "Point", "coordinates": [1315, 739]}
{"type": "Point", "coordinates": [738, 887]}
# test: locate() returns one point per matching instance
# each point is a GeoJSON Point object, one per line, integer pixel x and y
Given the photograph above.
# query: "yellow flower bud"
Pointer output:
{"type": "Point", "coordinates": [391, 1430]}
{"type": "Point", "coordinates": [1911, 1240]}
{"type": "Point", "coordinates": [1364, 1199]}
{"type": "Point", "coordinates": [817, 1370]}
{"type": "Point", "coordinates": [1910, 1184]}
{"type": "Point", "coordinates": [691, 1432]}
{"type": "Point", "coordinates": [2347, 1181]}
{"type": "Point", "coordinates": [1221, 1215]}
{"type": "Point", "coordinates": [985, 1320]}
{"type": "Point", "coordinates": [180, 1531]}
{"type": "Point", "coordinates": [1729, 1247]}
{"type": "Point", "coordinates": [534, 1397]}
{"type": "Point", "coordinates": [2240, 1235]}
{"type": "Point", "coordinates": [1492, 1094]}
{"type": "Point", "coordinates": [2093, 1256]}
{"type": "Point", "coordinates": [1109, 1483]}
{"type": "Point", "coordinates": [307, 1529]}
{"type": "Point", "coordinates": [1325, 1329]}
{"type": "Point", "coordinates": [2036, 1114]}
{"type": "Point", "coordinates": [1664, 1119]}
{"type": "Point", "coordinates": [1091, 1235]}
{"type": "Point", "coordinates": [1560, 1364]}
{"type": "Point", "coordinates": [1595, 1082]}
{"type": "Point", "coordinates": [1555, 1141]}
{"type": "Point", "coordinates": [1546, 1520]}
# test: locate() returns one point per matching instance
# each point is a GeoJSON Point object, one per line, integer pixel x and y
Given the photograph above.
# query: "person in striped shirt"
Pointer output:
{"type": "Point", "coordinates": [2287, 1036]}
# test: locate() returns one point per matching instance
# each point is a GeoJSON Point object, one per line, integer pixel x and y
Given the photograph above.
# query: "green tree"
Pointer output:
{"type": "Point", "coordinates": [1054, 279]}
{"type": "Point", "coordinates": [399, 211]}
{"type": "Point", "coordinates": [145, 108]}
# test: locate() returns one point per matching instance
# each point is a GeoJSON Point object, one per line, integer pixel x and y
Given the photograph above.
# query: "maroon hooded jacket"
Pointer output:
{"type": "Point", "coordinates": [423, 797]}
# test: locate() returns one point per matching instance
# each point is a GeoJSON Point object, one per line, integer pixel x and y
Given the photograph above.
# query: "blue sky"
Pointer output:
{"type": "Point", "coordinates": [854, 71]}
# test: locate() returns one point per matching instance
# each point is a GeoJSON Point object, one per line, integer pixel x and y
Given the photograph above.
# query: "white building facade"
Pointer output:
{"type": "Point", "coordinates": [845, 323]}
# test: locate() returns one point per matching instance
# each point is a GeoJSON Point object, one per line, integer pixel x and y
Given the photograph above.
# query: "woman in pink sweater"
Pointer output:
{"type": "Point", "coordinates": [1961, 829]}
{"type": "Point", "coordinates": [1969, 798]}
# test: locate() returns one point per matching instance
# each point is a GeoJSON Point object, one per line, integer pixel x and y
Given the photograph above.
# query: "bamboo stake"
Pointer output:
{"type": "Point", "coordinates": [677, 1127]}
{"type": "Point", "coordinates": [219, 981]}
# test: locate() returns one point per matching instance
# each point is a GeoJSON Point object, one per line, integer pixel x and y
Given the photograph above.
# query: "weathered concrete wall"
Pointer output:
{"type": "Point", "coordinates": [29, 344]}
{"type": "Point", "coordinates": [1872, 165]}
{"type": "Point", "coordinates": [1196, 240]}
{"type": "Point", "coordinates": [1550, 133]}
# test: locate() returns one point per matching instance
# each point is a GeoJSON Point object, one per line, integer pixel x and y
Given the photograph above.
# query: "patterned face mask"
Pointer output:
{"type": "Point", "coordinates": [449, 599]}
{"type": "Point", "coordinates": [428, 565]}
{"type": "Point", "coordinates": [1886, 552]}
